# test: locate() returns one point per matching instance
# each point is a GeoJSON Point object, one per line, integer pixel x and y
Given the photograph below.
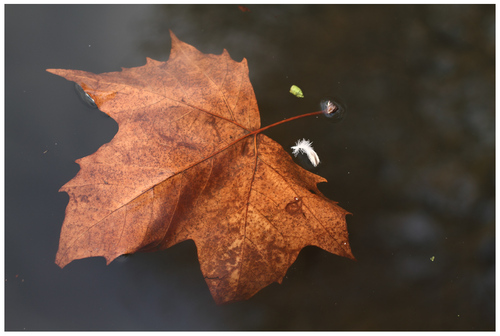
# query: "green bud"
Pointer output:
{"type": "Point", "coordinates": [296, 91]}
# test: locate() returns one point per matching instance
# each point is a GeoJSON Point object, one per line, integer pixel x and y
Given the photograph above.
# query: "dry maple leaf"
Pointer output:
{"type": "Point", "coordinates": [189, 162]}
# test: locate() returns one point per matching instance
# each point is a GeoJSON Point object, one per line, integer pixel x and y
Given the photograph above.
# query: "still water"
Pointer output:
{"type": "Point", "coordinates": [412, 160]}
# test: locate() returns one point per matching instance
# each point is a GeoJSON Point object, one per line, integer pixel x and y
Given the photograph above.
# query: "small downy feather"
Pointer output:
{"type": "Point", "coordinates": [305, 146]}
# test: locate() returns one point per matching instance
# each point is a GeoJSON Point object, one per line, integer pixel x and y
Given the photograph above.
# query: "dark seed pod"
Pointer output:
{"type": "Point", "coordinates": [85, 96]}
{"type": "Point", "coordinates": [333, 109]}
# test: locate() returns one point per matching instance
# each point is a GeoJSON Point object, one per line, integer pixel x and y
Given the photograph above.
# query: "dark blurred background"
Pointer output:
{"type": "Point", "coordinates": [413, 160]}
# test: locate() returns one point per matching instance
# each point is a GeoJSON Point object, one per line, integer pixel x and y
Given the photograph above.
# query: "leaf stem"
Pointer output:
{"type": "Point", "coordinates": [284, 121]}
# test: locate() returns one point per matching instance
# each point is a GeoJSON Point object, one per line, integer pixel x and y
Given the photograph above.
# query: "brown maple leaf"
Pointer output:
{"type": "Point", "coordinates": [189, 162]}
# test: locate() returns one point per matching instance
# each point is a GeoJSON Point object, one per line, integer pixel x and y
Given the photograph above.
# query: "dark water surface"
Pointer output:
{"type": "Point", "coordinates": [413, 160]}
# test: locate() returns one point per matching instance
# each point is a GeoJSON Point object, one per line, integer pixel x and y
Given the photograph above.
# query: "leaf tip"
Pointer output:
{"type": "Point", "coordinates": [54, 71]}
{"type": "Point", "coordinates": [351, 256]}
{"type": "Point", "coordinates": [173, 37]}
{"type": "Point", "coordinates": [61, 260]}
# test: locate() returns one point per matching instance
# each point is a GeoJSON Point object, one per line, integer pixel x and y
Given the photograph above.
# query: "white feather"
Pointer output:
{"type": "Point", "coordinates": [305, 146]}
